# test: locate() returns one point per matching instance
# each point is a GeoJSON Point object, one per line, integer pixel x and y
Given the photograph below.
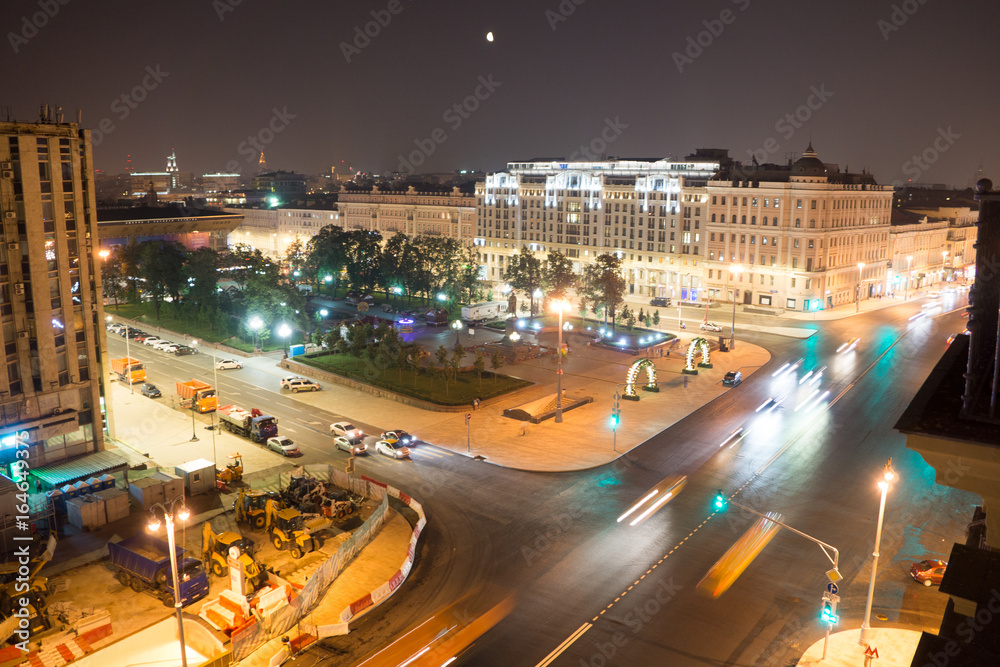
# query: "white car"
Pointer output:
{"type": "Point", "coordinates": [343, 443]}
{"type": "Point", "coordinates": [710, 326]}
{"type": "Point", "coordinates": [169, 347]}
{"type": "Point", "coordinates": [283, 445]}
{"type": "Point", "coordinates": [394, 449]}
{"type": "Point", "coordinates": [346, 430]}
{"type": "Point", "coordinates": [115, 327]}
{"type": "Point", "coordinates": [286, 380]}
{"type": "Point", "coordinates": [226, 364]}
{"type": "Point", "coordinates": [163, 345]}
{"type": "Point", "coordinates": [152, 340]}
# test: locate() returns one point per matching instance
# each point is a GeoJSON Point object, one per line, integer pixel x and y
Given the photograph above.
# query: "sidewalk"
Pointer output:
{"type": "Point", "coordinates": [896, 648]}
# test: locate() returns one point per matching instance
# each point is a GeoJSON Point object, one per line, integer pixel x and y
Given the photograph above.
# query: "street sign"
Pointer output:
{"type": "Point", "coordinates": [468, 416]}
{"type": "Point", "coordinates": [832, 588]}
{"type": "Point", "coordinates": [871, 651]}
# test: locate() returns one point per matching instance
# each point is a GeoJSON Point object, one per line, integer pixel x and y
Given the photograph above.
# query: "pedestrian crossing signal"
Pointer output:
{"type": "Point", "coordinates": [828, 613]}
{"type": "Point", "coordinates": [720, 500]}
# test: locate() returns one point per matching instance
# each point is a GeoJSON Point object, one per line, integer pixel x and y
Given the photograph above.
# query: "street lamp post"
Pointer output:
{"type": "Point", "coordinates": [944, 259]}
{"type": "Point", "coordinates": [284, 331]}
{"type": "Point", "coordinates": [909, 275]}
{"type": "Point", "coordinates": [154, 525]}
{"type": "Point", "coordinates": [457, 326]}
{"type": "Point", "coordinates": [255, 324]}
{"type": "Point", "coordinates": [857, 300]}
{"type": "Point", "coordinates": [887, 476]}
{"type": "Point", "coordinates": [735, 269]}
{"type": "Point", "coordinates": [559, 306]}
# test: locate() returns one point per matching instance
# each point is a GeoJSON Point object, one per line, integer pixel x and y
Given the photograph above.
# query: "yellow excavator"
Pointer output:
{"type": "Point", "coordinates": [233, 472]}
{"type": "Point", "coordinates": [14, 590]}
{"type": "Point", "coordinates": [215, 551]}
{"type": "Point", "coordinates": [287, 530]}
{"type": "Point", "coordinates": [251, 507]}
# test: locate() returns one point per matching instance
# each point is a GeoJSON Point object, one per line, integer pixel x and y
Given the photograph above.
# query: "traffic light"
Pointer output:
{"type": "Point", "coordinates": [828, 612]}
{"type": "Point", "coordinates": [615, 418]}
{"type": "Point", "coordinates": [720, 501]}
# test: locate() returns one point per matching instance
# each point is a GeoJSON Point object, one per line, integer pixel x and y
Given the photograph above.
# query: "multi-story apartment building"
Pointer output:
{"type": "Point", "coordinates": [800, 236]}
{"type": "Point", "coordinates": [414, 212]}
{"type": "Point", "coordinates": [51, 314]}
{"type": "Point", "coordinates": [916, 256]}
{"type": "Point", "coordinates": [273, 230]}
{"type": "Point", "coordinates": [959, 209]}
{"type": "Point", "coordinates": [651, 213]}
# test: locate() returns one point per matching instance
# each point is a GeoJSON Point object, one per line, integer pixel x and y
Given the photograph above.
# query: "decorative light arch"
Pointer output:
{"type": "Point", "coordinates": [633, 371]}
{"type": "Point", "coordinates": [706, 362]}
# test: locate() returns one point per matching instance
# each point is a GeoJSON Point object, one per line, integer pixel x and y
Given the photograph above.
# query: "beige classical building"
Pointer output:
{"type": "Point", "coordinates": [917, 245]}
{"type": "Point", "coordinates": [803, 236]}
{"type": "Point", "coordinates": [651, 213]}
{"type": "Point", "coordinates": [51, 315]}
{"type": "Point", "coordinates": [273, 230]}
{"type": "Point", "coordinates": [414, 212]}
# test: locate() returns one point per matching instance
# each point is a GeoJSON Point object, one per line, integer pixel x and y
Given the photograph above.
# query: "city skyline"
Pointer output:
{"type": "Point", "coordinates": [400, 86]}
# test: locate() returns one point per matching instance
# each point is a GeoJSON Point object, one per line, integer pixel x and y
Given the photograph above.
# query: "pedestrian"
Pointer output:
{"type": "Point", "coordinates": [475, 404]}
{"type": "Point", "coordinates": [38, 485]}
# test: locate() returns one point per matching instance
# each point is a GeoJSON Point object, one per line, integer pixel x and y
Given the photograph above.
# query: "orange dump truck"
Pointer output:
{"type": "Point", "coordinates": [129, 370]}
{"type": "Point", "coordinates": [197, 395]}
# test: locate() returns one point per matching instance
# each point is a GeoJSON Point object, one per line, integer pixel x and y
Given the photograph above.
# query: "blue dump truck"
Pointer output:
{"type": "Point", "coordinates": [143, 564]}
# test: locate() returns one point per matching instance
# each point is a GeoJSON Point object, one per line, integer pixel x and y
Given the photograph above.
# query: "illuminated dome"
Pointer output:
{"type": "Point", "coordinates": [809, 164]}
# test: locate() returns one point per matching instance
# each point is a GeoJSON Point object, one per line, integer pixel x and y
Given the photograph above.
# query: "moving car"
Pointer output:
{"type": "Point", "coordinates": [770, 404]}
{"type": "Point", "coordinates": [226, 364]}
{"type": "Point", "coordinates": [400, 435]}
{"type": "Point", "coordinates": [283, 445]}
{"type": "Point", "coordinates": [710, 326]}
{"type": "Point", "coordinates": [346, 430]}
{"type": "Point", "coordinates": [849, 345]}
{"type": "Point", "coordinates": [928, 572]}
{"type": "Point", "coordinates": [394, 449]}
{"type": "Point", "coordinates": [149, 389]}
{"type": "Point", "coordinates": [660, 301]}
{"type": "Point", "coordinates": [303, 384]}
{"type": "Point", "coordinates": [286, 380]}
{"type": "Point", "coordinates": [343, 443]}
{"type": "Point", "coordinates": [732, 378]}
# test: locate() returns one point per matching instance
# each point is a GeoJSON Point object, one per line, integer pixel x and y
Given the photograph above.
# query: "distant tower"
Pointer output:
{"type": "Point", "coordinates": [151, 199]}
{"type": "Point", "coordinates": [978, 175]}
{"type": "Point", "coordinates": [128, 164]}
{"type": "Point", "coordinates": [261, 164]}
{"type": "Point", "coordinates": [172, 168]}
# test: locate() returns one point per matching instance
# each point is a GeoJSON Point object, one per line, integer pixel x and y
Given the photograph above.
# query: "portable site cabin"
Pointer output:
{"type": "Point", "coordinates": [198, 476]}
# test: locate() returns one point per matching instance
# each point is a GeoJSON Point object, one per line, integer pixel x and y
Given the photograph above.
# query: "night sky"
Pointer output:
{"type": "Point", "coordinates": [642, 78]}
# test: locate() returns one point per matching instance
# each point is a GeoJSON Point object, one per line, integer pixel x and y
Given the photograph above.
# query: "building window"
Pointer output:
{"type": "Point", "coordinates": [798, 222]}
{"type": "Point", "coordinates": [765, 300]}
{"type": "Point", "coordinates": [790, 304]}
{"type": "Point", "coordinates": [798, 203]}
{"type": "Point", "coordinates": [793, 283]}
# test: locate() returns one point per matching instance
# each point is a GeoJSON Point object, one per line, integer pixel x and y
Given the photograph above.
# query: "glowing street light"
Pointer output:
{"type": "Point", "coordinates": [255, 324]}
{"type": "Point", "coordinates": [887, 476]}
{"type": "Point", "coordinates": [457, 326]}
{"type": "Point", "coordinates": [154, 525]}
{"type": "Point", "coordinates": [285, 331]}
{"type": "Point", "coordinates": [442, 296]}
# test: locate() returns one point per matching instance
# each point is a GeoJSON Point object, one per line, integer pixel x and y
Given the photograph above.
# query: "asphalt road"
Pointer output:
{"type": "Point", "coordinates": [592, 590]}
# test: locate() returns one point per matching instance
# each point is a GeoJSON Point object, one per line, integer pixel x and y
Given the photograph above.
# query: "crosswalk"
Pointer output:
{"type": "Point", "coordinates": [426, 452]}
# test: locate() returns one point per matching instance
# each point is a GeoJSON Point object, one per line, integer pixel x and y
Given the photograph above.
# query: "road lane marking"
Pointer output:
{"type": "Point", "coordinates": [565, 645]}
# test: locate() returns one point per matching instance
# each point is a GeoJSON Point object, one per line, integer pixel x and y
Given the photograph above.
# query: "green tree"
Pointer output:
{"type": "Point", "coordinates": [455, 361]}
{"type": "Point", "coordinates": [656, 318]}
{"type": "Point", "coordinates": [630, 320]}
{"type": "Point", "coordinates": [584, 304]}
{"type": "Point", "coordinates": [441, 356]}
{"type": "Point", "coordinates": [605, 284]}
{"type": "Point", "coordinates": [364, 258]}
{"type": "Point", "coordinates": [297, 259]}
{"type": "Point", "coordinates": [641, 316]}
{"type": "Point", "coordinates": [496, 363]}
{"type": "Point", "coordinates": [113, 277]}
{"type": "Point", "coordinates": [479, 364]}
{"type": "Point", "coordinates": [163, 271]}
{"type": "Point", "coordinates": [524, 273]}
{"type": "Point", "coordinates": [243, 263]}
{"type": "Point", "coordinates": [203, 281]}
{"type": "Point", "coordinates": [356, 341]}
{"type": "Point", "coordinates": [557, 274]}
{"type": "Point", "coordinates": [327, 254]}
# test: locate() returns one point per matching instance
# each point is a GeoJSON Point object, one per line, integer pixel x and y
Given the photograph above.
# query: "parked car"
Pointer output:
{"type": "Point", "coordinates": [182, 350]}
{"type": "Point", "coordinates": [226, 364]}
{"type": "Point", "coordinates": [152, 340]}
{"type": "Point", "coordinates": [172, 347]}
{"type": "Point", "coordinates": [346, 430]}
{"type": "Point", "coordinates": [710, 326]}
{"type": "Point", "coordinates": [343, 443]}
{"type": "Point", "coordinates": [286, 380]}
{"type": "Point", "coordinates": [163, 344]}
{"type": "Point", "coordinates": [661, 301]}
{"type": "Point", "coordinates": [283, 445]}
{"type": "Point", "coordinates": [928, 572]}
{"type": "Point", "coordinates": [400, 435]}
{"type": "Point", "coordinates": [394, 449]}
{"type": "Point", "coordinates": [132, 333]}
{"type": "Point", "coordinates": [732, 378]}
{"type": "Point", "coordinates": [303, 384]}
{"type": "Point", "coordinates": [115, 327]}
{"type": "Point", "coordinates": [141, 337]}
{"type": "Point", "coordinates": [149, 389]}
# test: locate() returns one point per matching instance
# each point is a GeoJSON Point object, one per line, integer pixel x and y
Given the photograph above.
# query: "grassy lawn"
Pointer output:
{"type": "Point", "coordinates": [418, 385]}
